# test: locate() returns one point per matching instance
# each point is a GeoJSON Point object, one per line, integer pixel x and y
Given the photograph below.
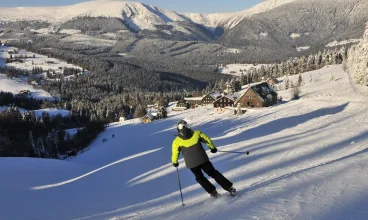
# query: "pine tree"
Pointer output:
{"type": "Point", "coordinates": [300, 80]}
{"type": "Point", "coordinates": [33, 146]}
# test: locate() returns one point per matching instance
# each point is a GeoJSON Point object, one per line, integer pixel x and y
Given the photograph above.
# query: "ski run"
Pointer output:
{"type": "Point", "coordinates": [308, 160]}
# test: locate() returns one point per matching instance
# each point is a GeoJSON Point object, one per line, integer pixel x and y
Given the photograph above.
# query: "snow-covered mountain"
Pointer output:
{"type": "Point", "coordinates": [230, 20]}
{"type": "Point", "coordinates": [139, 15]}
{"type": "Point", "coordinates": [308, 160]}
{"type": "Point", "coordinates": [358, 61]}
{"type": "Point", "coordinates": [136, 16]}
{"type": "Point", "coordinates": [291, 24]}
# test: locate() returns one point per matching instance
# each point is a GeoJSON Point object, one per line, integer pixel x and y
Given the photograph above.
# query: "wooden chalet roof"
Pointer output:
{"type": "Point", "coordinates": [194, 98]}
{"type": "Point", "coordinates": [232, 98]}
{"type": "Point", "coordinates": [214, 95]}
{"type": "Point", "coordinates": [182, 101]}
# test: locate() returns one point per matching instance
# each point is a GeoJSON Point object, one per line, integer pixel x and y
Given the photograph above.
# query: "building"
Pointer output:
{"type": "Point", "coordinates": [210, 98]}
{"type": "Point", "coordinates": [257, 96]}
{"type": "Point", "coordinates": [194, 101]}
{"type": "Point", "coordinates": [224, 101]}
{"type": "Point", "coordinates": [182, 104]}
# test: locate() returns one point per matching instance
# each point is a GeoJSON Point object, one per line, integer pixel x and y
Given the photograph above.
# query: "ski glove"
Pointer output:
{"type": "Point", "coordinates": [176, 164]}
{"type": "Point", "coordinates": [214, 150]}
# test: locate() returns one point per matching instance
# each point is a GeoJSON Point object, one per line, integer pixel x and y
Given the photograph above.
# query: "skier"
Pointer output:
{"type": "Point", "coordinates": [196, 159]}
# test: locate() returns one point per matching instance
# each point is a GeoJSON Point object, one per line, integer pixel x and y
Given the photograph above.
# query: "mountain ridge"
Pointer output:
{"type": "Point", "coordinates": [135, 11]}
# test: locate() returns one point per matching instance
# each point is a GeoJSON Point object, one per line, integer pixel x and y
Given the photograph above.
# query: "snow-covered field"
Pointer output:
{"type": "Point", "coordinates": [16, 85]}
{"type": "Point", "coordinates": [85, 39]}
{"type": "Point", "coordinates": [308, 160]}
{"type": "Point", "coordinates": [234, 69]}
{"type": "Point", "coordinates": [52, 112]}
{"type": "Point", "coordinates": [40, 61]}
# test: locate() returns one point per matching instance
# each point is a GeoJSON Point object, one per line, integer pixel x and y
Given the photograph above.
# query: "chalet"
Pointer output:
{"type": "Point", "coordinates": [210, 98]}
{"type": "Point", "coordinates": [257, 96]}
{"type": "Point", "coordinates": [223, 102]}
{"type": "Point", "coordinates": [194, 101]}
{"type": "Point", "coordinates": [182, 103]}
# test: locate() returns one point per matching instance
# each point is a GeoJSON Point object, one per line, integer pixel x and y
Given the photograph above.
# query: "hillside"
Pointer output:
{"type": "Point", "coordinates": [16, 85]}
{"type": "Point", "coordinates": [309, 24]}
{"type": "Point", "coordinates": [308, 160]}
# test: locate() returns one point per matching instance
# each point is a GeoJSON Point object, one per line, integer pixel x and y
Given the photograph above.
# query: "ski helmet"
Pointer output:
{"type": "Point", "coordinates": [182, 124]}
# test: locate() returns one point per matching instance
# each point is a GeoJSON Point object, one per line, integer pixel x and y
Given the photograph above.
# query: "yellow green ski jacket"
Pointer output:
{"type": "Point", "coordinates": [193, 152]}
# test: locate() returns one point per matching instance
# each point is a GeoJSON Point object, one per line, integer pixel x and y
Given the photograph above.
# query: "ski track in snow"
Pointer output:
{"type": "Point", "coordinates": [308, 160]}
{"type": "Point", "coordinates": [94, 171]}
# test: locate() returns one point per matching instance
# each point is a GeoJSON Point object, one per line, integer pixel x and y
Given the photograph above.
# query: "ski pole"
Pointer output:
{"type": "Point", "coordinates": [181, 194]}
{"type": "Point", "coordinates": [234, 152]}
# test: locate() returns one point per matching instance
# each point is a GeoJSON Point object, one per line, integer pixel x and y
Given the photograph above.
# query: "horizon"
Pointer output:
{"type": "Point", "coordinates": [190, 6]}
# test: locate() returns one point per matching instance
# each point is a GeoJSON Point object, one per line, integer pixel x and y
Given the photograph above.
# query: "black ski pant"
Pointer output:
{"type": "Point", "coordinates": [208, 168]}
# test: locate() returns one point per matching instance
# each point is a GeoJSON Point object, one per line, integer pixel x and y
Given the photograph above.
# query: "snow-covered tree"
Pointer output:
{"type": "Point", "coordinates": [358, 61]}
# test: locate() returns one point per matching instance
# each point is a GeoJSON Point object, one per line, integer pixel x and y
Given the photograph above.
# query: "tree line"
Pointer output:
{"type": "Point", "coordinates": [25, 135]}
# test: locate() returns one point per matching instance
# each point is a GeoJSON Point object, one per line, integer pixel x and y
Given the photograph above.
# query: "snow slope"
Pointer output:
{"type": "Point", "coordinates": [308, 160]}
{"type": "Point", "coordinates": [16, 85]}
{"type": "Point", "coordinates": [234, 69]}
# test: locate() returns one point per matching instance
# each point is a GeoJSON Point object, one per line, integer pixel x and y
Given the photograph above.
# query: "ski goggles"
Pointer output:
{"type": "Point", "coordinates": [182, 124]}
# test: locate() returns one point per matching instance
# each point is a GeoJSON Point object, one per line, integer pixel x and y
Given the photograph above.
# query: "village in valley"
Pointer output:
{"type": "Point", "coordinates": [255, 95]}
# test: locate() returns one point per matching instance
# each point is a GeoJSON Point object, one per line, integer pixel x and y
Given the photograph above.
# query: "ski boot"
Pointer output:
{"type": "Point", "coordinates": [214, 194]}
{"type": "Point", "coordinates": [232, 191]}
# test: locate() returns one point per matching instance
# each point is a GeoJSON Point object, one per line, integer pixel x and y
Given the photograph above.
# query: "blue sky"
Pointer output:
{"type": "Point", "coordinates": [204, 6]}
